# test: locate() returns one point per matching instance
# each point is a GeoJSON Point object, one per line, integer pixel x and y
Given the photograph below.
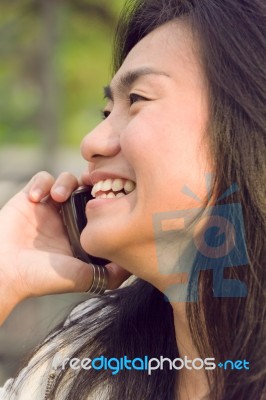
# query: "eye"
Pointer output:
{"type": "Point", "coordinates": [105, 114]}
{"type": "Point", "coordinates": [134, 97]}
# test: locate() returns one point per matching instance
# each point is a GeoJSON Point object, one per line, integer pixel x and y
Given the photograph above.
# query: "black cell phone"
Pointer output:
{"type": "Point", "coordinates": [75, 220]}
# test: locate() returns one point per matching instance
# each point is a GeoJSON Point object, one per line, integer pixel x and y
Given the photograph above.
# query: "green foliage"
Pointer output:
{"type": "Point", "coordinates": [77, 68]}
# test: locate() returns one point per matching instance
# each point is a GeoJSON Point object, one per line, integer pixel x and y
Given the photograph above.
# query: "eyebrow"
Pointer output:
{"type": "Point", "coordinates": [128, 78]}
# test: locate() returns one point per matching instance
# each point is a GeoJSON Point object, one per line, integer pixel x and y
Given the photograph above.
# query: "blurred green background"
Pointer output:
{"type": "Point", "coordinates": [55, 58]}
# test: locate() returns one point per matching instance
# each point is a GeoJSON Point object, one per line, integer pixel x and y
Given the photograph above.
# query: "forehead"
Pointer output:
{"type": "Point", "coordinates": [171, 49]}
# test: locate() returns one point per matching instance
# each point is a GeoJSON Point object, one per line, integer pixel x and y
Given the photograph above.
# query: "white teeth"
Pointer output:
{"type": "Point", "coordinates": [110, 195]}
{"type": "Point", "coordinates": [106, 185]}
{"type": "Point", "coordinates": [117, 185]}
{"type": "Point", "coordinates": [120, 195]}
{"type": "Point", "coordinates": [129, 186]}
{"type": "Point", "coordinates": [96, 188]}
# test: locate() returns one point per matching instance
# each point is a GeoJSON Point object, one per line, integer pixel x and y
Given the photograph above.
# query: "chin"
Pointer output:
{"type": "Point", "coordinates": [94, 243]}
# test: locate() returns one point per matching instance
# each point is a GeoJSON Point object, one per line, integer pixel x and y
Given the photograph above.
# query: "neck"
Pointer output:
{"type": "Point", "coordinates": [192, 384]}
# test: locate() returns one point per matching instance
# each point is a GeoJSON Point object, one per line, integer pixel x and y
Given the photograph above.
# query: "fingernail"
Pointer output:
{"type": "Point", "coordinates": [36, 194]}
{"type": "Point", "coordinates": [61, 190]}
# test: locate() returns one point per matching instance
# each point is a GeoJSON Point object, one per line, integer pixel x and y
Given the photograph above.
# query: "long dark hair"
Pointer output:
{"type": "Point", "coordinates": [138, 321]}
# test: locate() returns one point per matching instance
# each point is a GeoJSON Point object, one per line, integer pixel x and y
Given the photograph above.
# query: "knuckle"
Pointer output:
{"type": "Point", "coordinates": [67, 178]}
{"type": "Point", "coordinates": [44, 176]}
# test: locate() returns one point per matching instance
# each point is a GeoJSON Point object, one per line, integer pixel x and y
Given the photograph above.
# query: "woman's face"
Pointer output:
{"type": "Point", "coordinates": [157, 114]}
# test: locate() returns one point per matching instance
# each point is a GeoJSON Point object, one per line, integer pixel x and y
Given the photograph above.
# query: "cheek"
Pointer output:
{"type": "Point", "coordinates": [143, 136]}
{"type": "Point", "coordinates": [167, 150]}
{"type": "Point", "coordinates": [172, 136]}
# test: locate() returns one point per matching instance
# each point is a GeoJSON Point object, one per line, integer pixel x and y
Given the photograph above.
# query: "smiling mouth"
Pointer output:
{"type": "Point", "coordinates": [112, 188]}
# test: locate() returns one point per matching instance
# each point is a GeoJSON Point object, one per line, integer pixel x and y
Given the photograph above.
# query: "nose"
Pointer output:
{"type": "Point", "coordinates": [101, 141]}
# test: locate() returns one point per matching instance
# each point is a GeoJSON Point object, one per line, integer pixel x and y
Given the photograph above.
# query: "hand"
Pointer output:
{"type": "Point", "coordinates": [35, 254]}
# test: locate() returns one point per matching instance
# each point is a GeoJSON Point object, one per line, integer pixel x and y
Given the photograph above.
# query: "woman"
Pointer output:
{"type": "Point", "coordinates": [187, 102]}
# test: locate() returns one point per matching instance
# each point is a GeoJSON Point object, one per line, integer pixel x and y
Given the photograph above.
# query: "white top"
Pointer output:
{"type": "Point", "coordinates": [34, 384]}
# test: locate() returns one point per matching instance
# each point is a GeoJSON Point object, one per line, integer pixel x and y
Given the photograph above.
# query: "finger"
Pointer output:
{"type": "Point", "coordinates": [54, 274]}
{"type": "Point", "coordinates": [64, 185]}
{"type": "Point", "coordinates": [50, 202]}
{"type": "Point", "coordinates": [39, 186]}
{"type": "Point", "coordinates": [82, 183]}
{"type": "Point", "coordinates": [65, 275]}
{"type": "Point", "coordinates": [85, 179]}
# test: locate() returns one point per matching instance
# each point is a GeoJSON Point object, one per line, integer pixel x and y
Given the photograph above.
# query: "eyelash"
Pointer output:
{"type": "Point", "coordinates": [132, 98]}
{"type": "Point", "coordinates": [105, 114]}
{"type": "Point", "coordinates": [135, 96]}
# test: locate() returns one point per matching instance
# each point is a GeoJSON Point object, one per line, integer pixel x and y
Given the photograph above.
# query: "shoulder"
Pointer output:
{"type": "Point", "coordinates": [29, 383]}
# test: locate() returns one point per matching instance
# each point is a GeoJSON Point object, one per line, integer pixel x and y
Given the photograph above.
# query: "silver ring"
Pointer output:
{"type": "Point", "coordinates": [100, 279]}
